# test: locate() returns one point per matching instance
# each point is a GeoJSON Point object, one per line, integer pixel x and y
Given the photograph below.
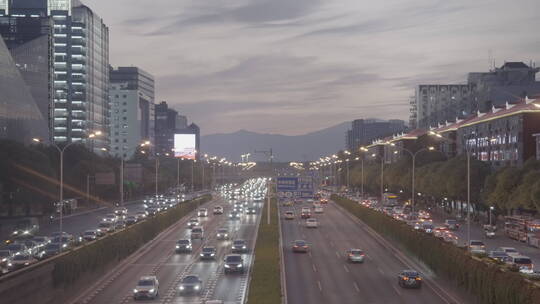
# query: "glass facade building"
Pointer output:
{"type": "Point", "coordinates": [77, 45]}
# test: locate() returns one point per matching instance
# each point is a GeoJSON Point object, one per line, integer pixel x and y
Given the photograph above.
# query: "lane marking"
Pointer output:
{"type": "Point", "coordinates": [356, 287]}
{"type": "Point", "coordinates": [346, 269]}
{"type": "Point", "coordinates": [396, 290]}
{"type": "Point", "coordinates": [320, 286]}
{"type": "Point", "coordinates": [338, 255]}
{"type": "Point", "coordinates": [314, 268]}
{"type": "Point", "coordinates": [309, 253]}
{"type": "Point", "coordinates": [380, 270]}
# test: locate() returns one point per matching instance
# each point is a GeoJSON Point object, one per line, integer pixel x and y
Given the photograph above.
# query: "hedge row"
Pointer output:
{"type": "Point", "coordinates": [486, 280]}
{"type": "Point", "coordinates": [99, 254]}
{"type": "Point", "coordinates": [265, 285]}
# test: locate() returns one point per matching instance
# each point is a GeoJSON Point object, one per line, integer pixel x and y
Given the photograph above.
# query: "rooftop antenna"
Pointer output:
{"type": "Point", "coordinates": [490, 59]}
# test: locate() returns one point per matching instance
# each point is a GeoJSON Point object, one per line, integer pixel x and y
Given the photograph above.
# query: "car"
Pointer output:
{"type": "Point", "coordinates": [202, 212]}
{"type": "Point", "coordinates": [234, 215]}
{"type": "Point", "coordinates": [183, 246]}
{"type": "Point", "coordinates": [52, 249]}
{"type": "Point", "coordinates": [427, 227]}
{"type": "Point", "coordinates": [450, 237]}
{"type": "Point", "coordinates": [289, 215]}
{"type": "Point", "coordinates": [523, 263]}
{"type": "Point", "coordinates": [208, 253]}
{"type": "Point", "coordinates": [121, 211]}
{"type": "Point", "coordinates": [451, 224]}
{"type": "Point", "coordinates": [510, 251]}
{"type": "Point", "coordinates": [300, 246]}
{"type": "Point", "coordinates": [197, 232]}
{"type": "Point", "coordinates": [499, 256]}
{"type": "Point", "coordinates": [222, 234]}
{"type": "Point", "coordinates": [312, 223]}
{"type": "Point", "coordinates": [5, 257]}
{"type": "Point", "coordinates": [152, 211]}
{"type": "Point", "coordinates": [193, 222]}
{"type": "Point", "coordinates": [20, 261]}
{"type": "Point", "coordinates": [131, 219]}
{"type": "Point", "coordinates": [251, 210]}
{"type": "Point", "coordinates": [106, 227]}
{"type": "Point", "coordinates": [410, 279]}
{"type": "Point", "coordinates": [287, 203]}
{"type": "Point", "coordinates": [146, 288]}
{"type": "Point", "coordinates": [141, 215]}
{"type": "Point", "coordinates": [324, 201]}
{"type": "Point", "coordinates": [17, 248]}
{"type": "Point", "coordinates": [318, 210]}
{"type": "Point", "coordinates": [477, 247]}
{"type": "Point", "coordinates": [109, 218]}
{"type": "Point", "coordinates": [41, 241]}
{"type": "Point", "coordinates": [355, 256]}
{"type": "Point", "coordinates": [218, 210]}
{"type": "Point", "coordinates": [90, 235]}
{"type": "Point", "coordinates": [239, 246]}
{"type": "Point", "coordinates": [233, 263]}
{"type": "Point", "coordinates": [305, 213]}
{"type": "Point", "coordinates": [190, 284]}
{"type": "Point", "coordinates": [121, 224]}
{"type": "Point", "coordinates": [31, 246]}
{"type": "Point", "coordinates": [439, 231]}
{"type": "Point", "coordinates": [25, 228]}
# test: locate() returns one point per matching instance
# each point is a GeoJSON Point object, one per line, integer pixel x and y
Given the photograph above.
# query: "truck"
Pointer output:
{"type": "Point", "coordinates": [69, 205]}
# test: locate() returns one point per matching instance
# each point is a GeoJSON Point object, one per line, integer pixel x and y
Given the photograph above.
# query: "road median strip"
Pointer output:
{"type": "Point", "coordinates": [265, 284]}
{"type": "Point", "coordinates": [486, 280]}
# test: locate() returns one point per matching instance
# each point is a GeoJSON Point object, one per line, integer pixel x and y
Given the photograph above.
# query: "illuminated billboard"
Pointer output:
{"type": "Point", "coordinates": [185, 146]}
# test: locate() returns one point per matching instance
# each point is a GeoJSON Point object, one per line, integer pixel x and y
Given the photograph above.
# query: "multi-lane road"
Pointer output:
{"type": "Point", "coordinates": [323, 275]}
{"type": "Point", "coordinates": [159, 258]}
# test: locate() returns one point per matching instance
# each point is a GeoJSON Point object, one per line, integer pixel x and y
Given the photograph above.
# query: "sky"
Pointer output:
{"type": "Point", "coordinates": [295, 66]}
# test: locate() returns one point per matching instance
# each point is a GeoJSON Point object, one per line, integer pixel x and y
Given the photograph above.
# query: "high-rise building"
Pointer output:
{"type": "Point", "coordinates": [165, 126]}
{"type": "Point", "coordinates": [77, 43]}
{"type": "Point", "coordinates": [181, 122]}
{"type": "Point", "coordinates": [440, 103]}
{"type": "Point", "coordinates": [364, 131]}
{"type": "Point", "coordinates": [132, 109]}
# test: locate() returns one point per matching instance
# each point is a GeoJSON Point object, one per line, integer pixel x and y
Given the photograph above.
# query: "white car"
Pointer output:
{"type": "Point", "coordinates": [147, 287]}
{"type": "Point", "coordinates": [203, 212]}
{"type": "Point", "coordinates": [478, 247]}
{"type": "Point", "coordinates": [510, 251]}
{"type": "Point", "coordinates": [289, 215]}
{"type": "Point", "coordinates": [312, 223]}
{"type": "Point", "coordinates": [319, 209]}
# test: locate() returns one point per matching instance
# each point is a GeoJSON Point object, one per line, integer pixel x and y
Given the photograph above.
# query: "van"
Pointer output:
{"type": "Point", "coordinates": [197, 233]}
{"type": "Point", "coordinates": [524, 263]}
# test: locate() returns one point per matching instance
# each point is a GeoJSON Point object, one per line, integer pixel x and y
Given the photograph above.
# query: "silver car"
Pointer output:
{"type": "Point", "coordinates": [355, 256]}
{"type": "Point", "coordinates": [190, 284]}
{"type": "Point", "coordinates": [147, 288]}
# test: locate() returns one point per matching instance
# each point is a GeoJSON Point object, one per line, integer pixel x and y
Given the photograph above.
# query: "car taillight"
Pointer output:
{"type": "Point", "coordinates": [419, 279]}
{"type": "Point", "coordinates": [405, 278]}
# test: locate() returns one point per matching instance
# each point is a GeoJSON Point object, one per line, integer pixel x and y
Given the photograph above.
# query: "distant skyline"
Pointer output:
{"type": "Point", "coordinates": [296, 66]}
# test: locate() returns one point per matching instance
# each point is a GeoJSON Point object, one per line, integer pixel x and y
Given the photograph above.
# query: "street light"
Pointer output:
{"type": "Point", "coordinates": [144, 144]}
{"type": "Point", "coordinates": [468, 152]}
{"type": "Point", "coordinates": [490, 213]}
{"type": "Point", "coordinates": [61, 195]}
{"type": "Point", "coordinates": [413, 156]}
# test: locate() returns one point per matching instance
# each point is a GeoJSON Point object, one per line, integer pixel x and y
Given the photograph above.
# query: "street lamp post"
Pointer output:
{"type": "Point", "coordinates": [61, 194]}
{"type": "Point", "coordinates": [490, 213]}
{"type": "Point", "coordinates": [413, 156]}
{"type": "Point", "coordinates": [468, 152]}
{"type": "Point", "coordinates": [122, 169]}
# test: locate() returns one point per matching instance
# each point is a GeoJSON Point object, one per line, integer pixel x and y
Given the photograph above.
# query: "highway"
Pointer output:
{"type": "Point", "coordinates": [159, 258]}
{"type": "Point", "coordinates": [324, 276]}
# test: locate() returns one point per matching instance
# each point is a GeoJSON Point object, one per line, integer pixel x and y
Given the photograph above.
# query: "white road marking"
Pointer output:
{"type": "Point", "coordinates": [356, 287]}
{"type": "Point", "coordinates": [397, 290]}
{"type": "Point", "coordinates": [320, 286]}
{"type": "Point", "coordinates": [314, 268]}
{"type": "Point", "coordinates": [338, 255]}
{"type": "Point", "coordinates": [380, 270]}
{"type": "Point", "coordinates": [346, 269]}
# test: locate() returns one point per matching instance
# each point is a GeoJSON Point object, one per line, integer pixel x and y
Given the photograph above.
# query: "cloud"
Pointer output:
{"type": "Point", "coordinates": [297, 65]}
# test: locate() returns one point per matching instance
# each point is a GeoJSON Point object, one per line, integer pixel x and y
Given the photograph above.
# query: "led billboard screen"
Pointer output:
{"type": "Point", "coordinates": [184, 146]}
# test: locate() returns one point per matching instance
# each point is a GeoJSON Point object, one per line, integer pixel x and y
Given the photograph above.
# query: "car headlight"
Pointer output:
{"type": "Point", "coordinates": [239, 265]}
{"type": "Point", "coordinates": [15, 232]}
{"type": "Point", "coordinates": [135, 291]}
{"type": "Point", "coordinates": [202, 254]}
{"type": "Point", "coordinates": [197, 287]}
{"type": "Point", "coordinates": [9, 264]}
{"type": "Point", "coordinates": [243, 247]}
{"type": "Point", "coordinates": [151, 290]}
{"type": "Point", "coordinates": [212, 254]}
{"type": "Point", "coordinates": [4, 260]}
{"type": "Point", "coordinates": [181, 288]}
{"type": "Point", "coordinates": [227, 266]}
{"type": "Point", "coordinates": [26, 232]}
{"type": "Point", "coordinates": [177, 246]}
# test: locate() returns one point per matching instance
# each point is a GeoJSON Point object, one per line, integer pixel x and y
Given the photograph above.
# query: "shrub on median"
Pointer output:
{"type": "Point", "coordinates": [486, 280]}
{"type": "Point", "coordinates": [115, 247]}
{"type": "Point", "coordinates": [265, 285]}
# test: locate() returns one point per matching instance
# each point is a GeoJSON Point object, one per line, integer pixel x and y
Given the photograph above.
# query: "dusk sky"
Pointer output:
{"type": "Point", "coordinates": [295, 66]}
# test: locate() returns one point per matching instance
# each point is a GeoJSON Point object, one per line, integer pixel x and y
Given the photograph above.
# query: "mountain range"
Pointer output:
{"type": "Point", "coordinates": [285, 148]}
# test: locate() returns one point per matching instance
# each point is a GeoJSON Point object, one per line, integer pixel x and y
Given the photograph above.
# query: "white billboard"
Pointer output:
{"type": "Point", "coordinates": [184, 146]}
